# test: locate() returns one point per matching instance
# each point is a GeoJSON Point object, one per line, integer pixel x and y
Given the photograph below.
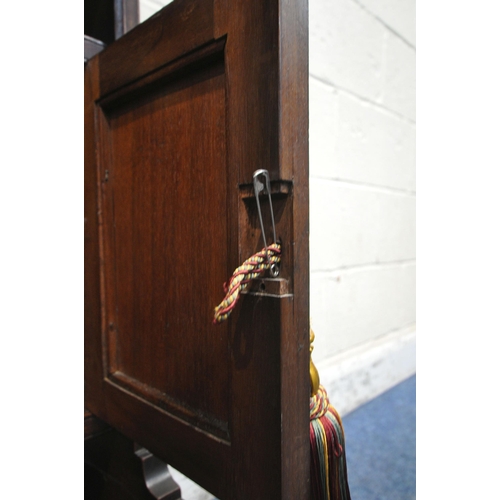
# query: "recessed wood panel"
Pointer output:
{"type": "Point", "coordinates": [165, 246]}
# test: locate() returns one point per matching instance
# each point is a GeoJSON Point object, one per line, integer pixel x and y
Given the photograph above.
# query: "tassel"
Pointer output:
{"type": "Point", "coordinates": [326, 436]}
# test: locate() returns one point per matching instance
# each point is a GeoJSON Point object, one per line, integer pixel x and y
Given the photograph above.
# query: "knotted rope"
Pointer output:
{"type": "Point", "coordinates": [252, 268]}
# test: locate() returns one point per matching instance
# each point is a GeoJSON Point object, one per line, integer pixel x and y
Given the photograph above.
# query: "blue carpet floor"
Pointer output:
{"type": "Point", "coordinates": [380, 446]}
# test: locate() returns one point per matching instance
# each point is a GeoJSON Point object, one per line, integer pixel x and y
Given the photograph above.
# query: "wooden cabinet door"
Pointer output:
{"type": "Point", "coordinates": [179, 113]}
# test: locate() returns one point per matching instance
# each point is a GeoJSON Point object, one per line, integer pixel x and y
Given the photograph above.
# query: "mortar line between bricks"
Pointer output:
{"type": "Point", "coordinates": [363, 99]}
{"type": "Point", "coordinates": [389, 28]}
{"type": "Point", "coordinates": [366, 266]}
{"type": "Point", "coordinates": [373, 187]}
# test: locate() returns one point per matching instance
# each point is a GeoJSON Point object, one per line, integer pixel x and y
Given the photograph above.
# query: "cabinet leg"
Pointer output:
{"type": "Point", "coordinates": [158, 479]}
{"type": "Point", "coordinates": [118, 469]}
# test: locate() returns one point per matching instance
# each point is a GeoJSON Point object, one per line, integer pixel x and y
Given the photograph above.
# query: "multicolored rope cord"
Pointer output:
{"type": "Point", "coordinates": [250, 269]}
{"type": "Point", "coordinates": [328, 464]}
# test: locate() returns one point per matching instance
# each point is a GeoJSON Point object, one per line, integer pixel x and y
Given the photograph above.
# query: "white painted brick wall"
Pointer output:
{"type": "Point", "coordinates": [397, 15]}
{"type": "Point", "coordinates": [399, 77]}
{"type": "Point", "coordinates": [346, 47]}
{"type": "Point", "coordinates": [353, 306]}
{"type": "Point", "coordinates": [355, 140]}
{"type": "Point", "coordinates": [352, 225]}
{"type": "Point", "coordinates": [362, 168]}
{"type": "Point", "coordinates": [149, 7]}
